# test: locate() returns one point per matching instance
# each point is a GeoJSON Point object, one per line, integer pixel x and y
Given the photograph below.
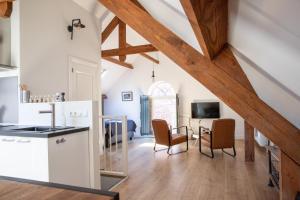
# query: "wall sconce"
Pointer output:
{"type": "Point", "coordinates": [76, 23]}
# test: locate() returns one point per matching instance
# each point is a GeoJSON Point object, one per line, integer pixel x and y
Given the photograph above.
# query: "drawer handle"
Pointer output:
{"type": "Point", "coordinates": [23, 141]}
{"type": "Point", "coordinates": [59, 141]}
{"type": "Point", "coordinates": [8, 140]}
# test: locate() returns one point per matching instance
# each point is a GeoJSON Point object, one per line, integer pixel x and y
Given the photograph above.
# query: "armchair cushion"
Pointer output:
{"type": "Point", "coordinates": [177, 139]}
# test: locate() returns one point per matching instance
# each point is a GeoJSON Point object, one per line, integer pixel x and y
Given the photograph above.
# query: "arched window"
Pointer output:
{"type": "Point", "coordinates": [161, 89]}
{"type": "Point", "coordinates": [163, 102]}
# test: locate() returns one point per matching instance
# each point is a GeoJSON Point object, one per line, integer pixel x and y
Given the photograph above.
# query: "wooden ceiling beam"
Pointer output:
{"type": "Point", "coordinates": [116, 61]}
{"type": "Point", "coordinates": [233, 93]}
{"type": "Point", "coordinates": [6, 7]}
{"type": "Point", "coordinates": [137, 3]}
{"type": "Point", "coordinates": [128, 50]}
{"type": "Point", "coordinates": [109, 29]}
{"type": "Point", "coordinates": [209, 20]}
{"type": "Point", "coordinates": [122, 39]}
{"type": "Point", "coordinates": [228, 63]}
{"type": "Point", "coordinates": [147, 56]}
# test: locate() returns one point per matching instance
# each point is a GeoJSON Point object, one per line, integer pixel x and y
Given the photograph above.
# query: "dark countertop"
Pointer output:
{"type": "Point", "coordinates": [13, 131]}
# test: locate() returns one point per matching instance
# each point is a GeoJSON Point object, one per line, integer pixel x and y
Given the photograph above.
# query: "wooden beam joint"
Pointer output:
{"type": "Point", "coordinates": [6, 7]}
{"type": "Point", "coordinates": [209, 20]}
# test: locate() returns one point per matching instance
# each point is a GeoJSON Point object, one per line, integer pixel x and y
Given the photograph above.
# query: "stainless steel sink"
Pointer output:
{"type": "Point", "coordinates": [41, 129]}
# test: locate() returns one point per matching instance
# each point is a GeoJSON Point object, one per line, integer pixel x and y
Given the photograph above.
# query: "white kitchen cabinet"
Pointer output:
{"type": "Point", "coordinates": [69, 159]}
{"type": "Point", "coordinates": [63, 159]}
{"type": "Point", "coordinates": [16, 156]}
{"type": "Point", "coordinates": [8, 152]}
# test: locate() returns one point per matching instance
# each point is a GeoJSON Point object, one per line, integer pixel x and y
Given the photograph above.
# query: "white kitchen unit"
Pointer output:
{"type": "Point", "coordinates": [78, 114]}
{"type": "Point", "coordinates": [62, 159]}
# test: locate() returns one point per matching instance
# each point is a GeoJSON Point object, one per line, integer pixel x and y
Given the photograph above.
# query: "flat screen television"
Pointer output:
{"type": "Point", "coordinates": [206, 110]}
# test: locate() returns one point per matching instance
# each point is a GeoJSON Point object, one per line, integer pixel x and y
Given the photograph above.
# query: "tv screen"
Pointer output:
{"type": "Point", "coordinates": [205, 110]}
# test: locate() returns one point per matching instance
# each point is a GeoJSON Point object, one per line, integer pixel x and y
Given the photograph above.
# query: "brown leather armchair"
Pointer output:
{"type": "Point", "coordinates": [163, 135]}
{"type": "Point", "coordinates": [221, 136]}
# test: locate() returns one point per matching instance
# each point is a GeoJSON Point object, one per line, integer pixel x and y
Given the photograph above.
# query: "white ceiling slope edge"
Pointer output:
{"type": "Point", "coordinates": [266, 36]}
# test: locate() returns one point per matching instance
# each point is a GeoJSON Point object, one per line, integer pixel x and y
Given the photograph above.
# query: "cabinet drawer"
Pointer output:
{"type": "Point", "coordinates": [18, 156]}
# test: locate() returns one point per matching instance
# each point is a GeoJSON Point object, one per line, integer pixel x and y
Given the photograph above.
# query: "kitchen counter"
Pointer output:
{"type": "Point", "coordinates": [17, 130]}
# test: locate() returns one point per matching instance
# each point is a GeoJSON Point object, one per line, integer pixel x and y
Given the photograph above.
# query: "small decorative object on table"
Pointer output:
{"type": "Point", "coordinates": [25, 95]}
{"type": "Point", "coordinates": [60, 97]}
{"type": "Point", "coordinates": [127, 96]}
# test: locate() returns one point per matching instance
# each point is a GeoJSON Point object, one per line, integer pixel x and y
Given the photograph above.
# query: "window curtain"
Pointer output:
{"type": "Point", "coordinates": [145, 115]}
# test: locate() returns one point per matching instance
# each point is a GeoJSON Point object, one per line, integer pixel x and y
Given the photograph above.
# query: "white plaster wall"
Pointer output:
{"type": "Point", "coordinates": [139, 80]}
{"type": "Point", "coordinates": [9, 100]}
{"type": "Point", "coordinates": [5, 42]}
{"type": "Point", "coordinates": [15, 34]}
{"type": "Point", "coordinates": [46, 45]}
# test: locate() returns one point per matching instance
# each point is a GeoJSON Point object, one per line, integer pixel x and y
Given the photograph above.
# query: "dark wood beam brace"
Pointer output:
{"type": "Point", "coordinates": [109, 29]}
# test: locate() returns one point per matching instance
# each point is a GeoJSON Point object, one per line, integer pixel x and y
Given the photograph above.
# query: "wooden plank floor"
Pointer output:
{"type": "Point", "coordinates": [192, 176]}
{"type": "Point", "coordinates": [10, 190]}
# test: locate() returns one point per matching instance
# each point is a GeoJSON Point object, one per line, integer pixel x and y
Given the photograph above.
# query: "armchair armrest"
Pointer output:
{"type": "Point", "coordinates": [186, 129]}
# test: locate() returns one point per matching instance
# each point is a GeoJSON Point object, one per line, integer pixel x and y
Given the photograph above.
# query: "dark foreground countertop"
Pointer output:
{"type": "Point", "coordinates": [14, 130]}
{"type": "Point", "coordinates": [7, 183]}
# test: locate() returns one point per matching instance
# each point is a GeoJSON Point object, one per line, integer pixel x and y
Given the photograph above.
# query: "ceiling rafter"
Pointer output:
{"type": "Point", "coordinates": [223, 85]}
{"type": "Point", "coordinates": [147, 56]}
{"type": "Point", "coordinates": [116, 61]}
{"type": "Point", "coordinates": [106, 33]}
{"type": "Point", "coordinates": [109, 29]}
{"type": "Point", "coordinates": [122, 39]}
{"type": "Point", "coordinates": [128, 50]}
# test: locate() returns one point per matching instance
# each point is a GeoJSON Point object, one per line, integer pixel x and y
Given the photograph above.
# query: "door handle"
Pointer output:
{"type": "Point", "coordinates": [59, 141]}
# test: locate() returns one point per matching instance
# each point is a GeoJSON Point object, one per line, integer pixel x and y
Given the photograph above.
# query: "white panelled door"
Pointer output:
{"type": "Point", "coordinates": [84, 80]}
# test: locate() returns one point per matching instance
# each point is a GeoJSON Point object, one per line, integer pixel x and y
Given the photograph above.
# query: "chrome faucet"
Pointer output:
{"type": "Point", "coordinates": [52, 112]}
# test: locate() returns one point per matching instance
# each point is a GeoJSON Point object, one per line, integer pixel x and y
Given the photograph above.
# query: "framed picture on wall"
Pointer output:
{"type": "Point", "coordinates": [127, 96]}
